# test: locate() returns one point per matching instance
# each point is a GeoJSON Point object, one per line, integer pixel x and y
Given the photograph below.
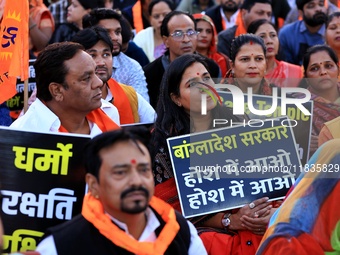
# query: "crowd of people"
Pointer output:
{"type": "Point", "coordinates": [100, 65]}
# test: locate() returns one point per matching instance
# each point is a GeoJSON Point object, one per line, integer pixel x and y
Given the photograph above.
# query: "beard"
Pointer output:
{"type": "Point", "coordinates": [116, 52]}
{"type": "Point", "coordinates": [138, 205]}
{"type": "Point", "coordinates": [317, 19]}
{"type": "Point", "coordinates": [231, 7]}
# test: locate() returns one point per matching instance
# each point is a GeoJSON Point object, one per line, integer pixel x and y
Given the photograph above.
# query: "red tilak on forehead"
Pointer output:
{"type": "Point", "coordinates": [251, 42]}
{"type": "Point", "coordinates": [198, 73]}
{"type": "Point", "coordinates": [133, 161]}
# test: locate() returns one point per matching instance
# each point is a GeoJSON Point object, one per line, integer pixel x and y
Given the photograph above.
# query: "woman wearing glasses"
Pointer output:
{"type": "Point", "coordinates": [150, 39]}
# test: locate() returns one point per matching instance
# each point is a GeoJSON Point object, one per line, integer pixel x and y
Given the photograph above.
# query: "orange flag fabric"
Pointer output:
{"type": "Point", "coordinates": [13, 47]}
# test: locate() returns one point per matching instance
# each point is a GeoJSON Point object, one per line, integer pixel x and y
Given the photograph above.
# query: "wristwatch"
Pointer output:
{"type": "Point", "coordinates": [226, 220]}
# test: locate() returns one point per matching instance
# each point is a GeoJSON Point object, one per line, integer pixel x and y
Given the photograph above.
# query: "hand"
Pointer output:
{"type": "Point", "coordinates": [257, 225]}
{"type": "Point", "coordinates": [261, 209]}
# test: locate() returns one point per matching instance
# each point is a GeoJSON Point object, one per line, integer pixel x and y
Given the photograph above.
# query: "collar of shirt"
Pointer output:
{"type": "Point", "coordinates": [152, 224]}
{"type": "Point", "coordinates": [232, 18]}
{"type": "Point", "coordinates": [303, 28]}
{"type": "Point", "coordinates": [47, 119]}
{"type": "Point", "coordinates": [166, 60]}
{"type": "Point", "coordinates": [116, 62]}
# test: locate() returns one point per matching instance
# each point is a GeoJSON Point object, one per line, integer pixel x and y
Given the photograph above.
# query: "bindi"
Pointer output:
{"type": "Point", "coordinates": [133, 161]}
{"type": "Point", "coordinates": [198, 73]}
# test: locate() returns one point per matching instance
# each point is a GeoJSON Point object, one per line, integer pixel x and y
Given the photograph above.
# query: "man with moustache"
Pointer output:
{"type": "Point", "coordinates": [179, 35]}
{"type": "Point", "coordinates": [120, 215]}
{"type": "Point", "coordinates": [125, 70]}
{"type": "Point", "coordinates": [132, 107]}
{"type": "Point", "coordinates": [297, 37]}
{"type": "Point", "coordinates": [224, 15]}
{"type": "Point", "coordinates": [250, 11]}
{"type": "Point", "coordinates": [69, 96]}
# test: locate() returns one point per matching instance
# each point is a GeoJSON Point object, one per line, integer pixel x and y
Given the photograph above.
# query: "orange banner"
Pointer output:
{"type": "Point", "coordinates": [13, 47]}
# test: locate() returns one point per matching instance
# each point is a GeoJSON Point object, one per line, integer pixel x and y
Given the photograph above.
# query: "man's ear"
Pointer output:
{"type": "Point", "coordinates": [166, 41]}
{"type": "Point", "coordinates": [300, 13]}
{"type": "Point", "coordinates": [56, 90]}
{"type": "Point", "coordinates": [92, 184]}
{"type": "Point", "coordinates": [243, 13]}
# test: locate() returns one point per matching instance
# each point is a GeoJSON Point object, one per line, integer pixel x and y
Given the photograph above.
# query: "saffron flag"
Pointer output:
{"type": "Point", "coordinates": [13, 47]}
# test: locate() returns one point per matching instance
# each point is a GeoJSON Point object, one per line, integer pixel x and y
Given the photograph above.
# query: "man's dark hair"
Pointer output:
{"type": "Point", "coordinates": [126, 30]}
{"type": "Point", "coordinates": [91, 153]}
{"type": "Point", "coordinates": [96, 15]}
{"type": "Point", "coordinates": [301, 3]}
{"type": "Point", "coordinates": [248, 4]}
{"type": "Point", "coordinates": [164, 26]}
{"type": "Point", "coordinates": [88, 37]}
{"type": "Point", "coordinates": [50, 66]}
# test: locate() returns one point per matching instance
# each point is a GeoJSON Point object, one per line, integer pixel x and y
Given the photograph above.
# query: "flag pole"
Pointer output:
{"type": "Point", "coordinates": [25, 95]}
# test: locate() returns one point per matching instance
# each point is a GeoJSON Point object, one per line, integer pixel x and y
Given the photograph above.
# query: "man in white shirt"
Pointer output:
{"type": "Point", "coordinates": [120, 215]}
{"type": "Point", "coordinates": [68, 94]}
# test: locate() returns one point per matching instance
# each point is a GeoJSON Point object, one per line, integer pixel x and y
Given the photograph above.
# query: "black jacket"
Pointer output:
{"type": "Point", "coordinates": [78, 236]}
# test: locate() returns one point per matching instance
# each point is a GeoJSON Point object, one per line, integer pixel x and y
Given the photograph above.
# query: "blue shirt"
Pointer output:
{"type": "Point", "coordinates": [295, 39]}
{"type": "Point", "coordinates": [129, 72]}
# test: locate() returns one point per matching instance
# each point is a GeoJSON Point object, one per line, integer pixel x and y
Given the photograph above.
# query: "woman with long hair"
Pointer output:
{"type": "Point", "coordinates": [179, 113]}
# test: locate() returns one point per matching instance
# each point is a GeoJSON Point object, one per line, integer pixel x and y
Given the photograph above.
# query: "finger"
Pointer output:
{"type": "Point", "coordinates": [263, 212]}
{"type": "Point", "coordinates": [261, 200]}
{"type": "Point", "coordinates": [252, 223]}
{"type": "Point", "coordinates": [258, 203]}
{"type": "Point", "coordinates": [262, 206]}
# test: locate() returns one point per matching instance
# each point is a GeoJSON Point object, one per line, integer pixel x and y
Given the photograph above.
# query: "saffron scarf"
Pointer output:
{"type": "Point", "coordinates": [137, 16]}
{"type": "Point", "coordinates": [99, 117]}
{"type": "Point", "coordinates": [122, 102]}
{"type": "Point", "coordinates": [93, 212]}
{"type": "Point", "coordinates": [240, 30]}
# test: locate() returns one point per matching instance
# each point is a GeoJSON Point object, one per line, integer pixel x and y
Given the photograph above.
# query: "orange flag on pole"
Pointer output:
{"type": "Point", "coordinates": [13, 47]}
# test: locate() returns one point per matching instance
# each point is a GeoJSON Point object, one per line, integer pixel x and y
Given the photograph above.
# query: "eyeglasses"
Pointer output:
{"type": "Point", "coordinates": [179, 35]}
